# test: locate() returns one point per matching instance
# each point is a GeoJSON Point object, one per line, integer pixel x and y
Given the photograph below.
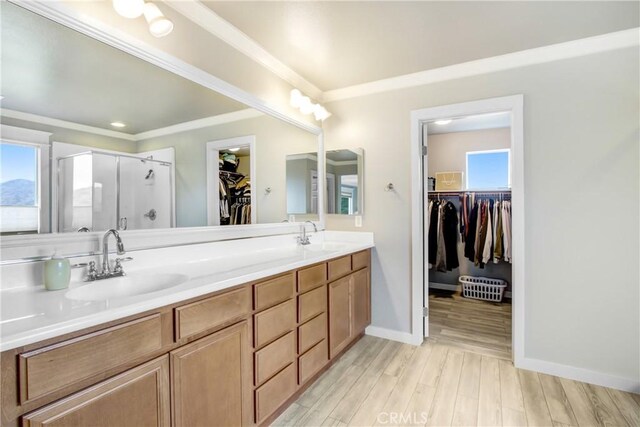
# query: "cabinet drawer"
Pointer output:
{"type": "Point", "coordinates": [275, 392]}
{"type": "Point", "coordinates": [339, 267]}
{"type": "Point", "coordinates": [274, 322]}
{"type": "Point", "coordinates": [360, 260]}
{"type": "Point", "coordinates": [139, 396]}
{"type": "Point", "coordinates": [51, 368]}
{"type": "Point", "coordinates": [274, 357]}
{"type": "Point", "coordinates": [312, 332]}
{"type": "Point", "coordinates": [209, 313]}
{"type": "Point", "coordinates": [312, 277]}
{"type": "Point", "coordinates": [274, 291]}
{"type": "Point", "coordinates": [312, 361]}
{"type": "Point", "coordinates": [312, 303]}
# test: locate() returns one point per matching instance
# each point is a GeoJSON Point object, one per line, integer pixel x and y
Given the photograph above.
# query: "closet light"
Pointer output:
{"type": "Point", "coordinates": [129, 8]}
{"type": "Point", "coordinates": [233, 150]}
{"type": "Point", "coordinates": [443, 122]}
{"type": "Point", "coordinates": [118, 124]}
{"type": "Point", "coordinates": [159, 25]}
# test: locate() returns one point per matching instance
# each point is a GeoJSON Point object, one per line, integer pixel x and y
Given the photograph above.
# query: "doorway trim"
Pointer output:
{"type": "Point", "coordinates": [513, 104]}
{"type": "Point", "coordinates": [213, 168]}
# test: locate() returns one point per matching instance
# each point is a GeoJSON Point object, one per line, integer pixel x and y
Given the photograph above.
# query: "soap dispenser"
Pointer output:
{"type": "Point", "coordinates": [57, 273]}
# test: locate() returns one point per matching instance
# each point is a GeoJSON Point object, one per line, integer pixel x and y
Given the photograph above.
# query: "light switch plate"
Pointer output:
{"type": "Point", "coordinates": [358, 220]}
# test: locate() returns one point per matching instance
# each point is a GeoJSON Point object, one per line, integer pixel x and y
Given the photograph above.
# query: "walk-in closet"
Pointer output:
{"type": "Point", "coordinates": [468, 224]}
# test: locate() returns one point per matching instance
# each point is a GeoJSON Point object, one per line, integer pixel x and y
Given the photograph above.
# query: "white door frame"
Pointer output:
{"type": "Point", "coordinates": [213, 168]}
{"type": "Point", "coordinates": [514, 105]}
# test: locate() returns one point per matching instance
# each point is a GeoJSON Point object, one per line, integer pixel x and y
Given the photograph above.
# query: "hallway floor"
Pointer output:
{"type": "Point", "coordinates": [474, 325]}
{"type": "Point", "coordinates": [382, 382]}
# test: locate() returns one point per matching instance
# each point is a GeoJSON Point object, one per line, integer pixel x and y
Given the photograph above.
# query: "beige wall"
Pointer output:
{"type": "Point", "coordinates": [274, 140]}
{"type": "Point", "coordinates": [581, 152]}
{"type": "Point", "coordinates": [447, 151]}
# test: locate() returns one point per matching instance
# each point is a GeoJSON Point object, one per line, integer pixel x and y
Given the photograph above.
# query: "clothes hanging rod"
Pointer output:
{"type": "Point", "coordinates": [470, 191]}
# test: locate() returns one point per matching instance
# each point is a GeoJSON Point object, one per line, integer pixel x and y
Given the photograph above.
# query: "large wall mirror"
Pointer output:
{"type": "Point", "coordinates": [129, 145]}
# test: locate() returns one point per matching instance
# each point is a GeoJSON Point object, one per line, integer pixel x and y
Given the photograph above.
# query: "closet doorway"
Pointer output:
{"type": "Point", "coordinates": [467, 261]}
{"type": "Point", "coordinates": [231, 174]}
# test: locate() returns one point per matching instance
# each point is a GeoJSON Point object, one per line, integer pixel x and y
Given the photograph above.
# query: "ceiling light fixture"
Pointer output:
{"type": "Point", "coordinates": [304, 104]}
{"type": "Point", "coordinates": [118, 124]}
{"type": "Point", "coordinates": [233, 150]}
{"type": "Point", "coordinates": [159, 25]}
{"type": "Point", "coordinates": [443, 122]}
{"type": "Point", "coordinates": [129, 8]}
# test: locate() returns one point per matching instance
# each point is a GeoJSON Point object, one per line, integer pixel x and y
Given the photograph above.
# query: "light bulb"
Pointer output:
{"type": "Point", "coordinates": [159, 25]}
{"type": "Point", "coordinates": [295, 98]}
{"type": "Point", "coordinates": [320, 113]}
{"type": "Point", "coordinates": [129, 8]}
{"type": "Point", "coordinates": [306, 106]}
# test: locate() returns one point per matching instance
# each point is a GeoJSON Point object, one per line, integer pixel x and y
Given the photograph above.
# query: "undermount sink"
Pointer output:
{"type": "Point", "coordinates": [126, 286]}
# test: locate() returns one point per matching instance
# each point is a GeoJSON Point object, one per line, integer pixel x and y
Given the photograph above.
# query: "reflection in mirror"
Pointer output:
{"type": "Point", "coordinates": [302, 184]}
{"type": "Point", "coordinates": [344, 181]}
{"type": "Point", "coordinates": [129, 145]}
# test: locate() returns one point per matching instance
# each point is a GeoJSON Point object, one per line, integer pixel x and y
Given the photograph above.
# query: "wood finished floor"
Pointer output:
{"type": "Point", "coordinates": [474, 325]}
{"type": "Point", "coordinates": [382, 382]}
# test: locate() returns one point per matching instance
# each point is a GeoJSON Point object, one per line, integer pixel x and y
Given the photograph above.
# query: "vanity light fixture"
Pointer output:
{"type": "Point", "coordinates": [118, 124]}
{"type": "Point", "coordinates": [443, 122]}
{"type": "Point", "coordinates": [298, 100]}
{"type": "Point", "coordinates": [159, 25]}
{"type": "Point", "coordinates": [129, 8]}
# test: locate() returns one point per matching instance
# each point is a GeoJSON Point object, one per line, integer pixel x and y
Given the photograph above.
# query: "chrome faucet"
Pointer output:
{"type": "Point", "coordinates": [303, 239]}
{"type": "Point", "coordinates": [92, 273]}
{"type": "Point", "coordinates": [106, 268]}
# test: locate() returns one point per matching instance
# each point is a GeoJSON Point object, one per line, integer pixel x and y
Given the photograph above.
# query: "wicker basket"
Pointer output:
{"type": "Point", "coordinates": [483, 288]}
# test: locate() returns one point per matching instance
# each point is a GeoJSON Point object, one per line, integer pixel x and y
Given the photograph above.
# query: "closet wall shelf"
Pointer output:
{"type": "Point", "coordinates": [470, 191]}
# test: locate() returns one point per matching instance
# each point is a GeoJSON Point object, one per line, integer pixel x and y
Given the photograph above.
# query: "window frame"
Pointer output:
{"type": "Point", "coordinates": [43, 172]}
{"type": "Point", "coordinates": [497, 150]}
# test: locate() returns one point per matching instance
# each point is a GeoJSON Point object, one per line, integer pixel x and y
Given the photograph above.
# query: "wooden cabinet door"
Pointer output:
{"type": "Point", "coordinates": [211, 380]}
{"type": "Point", "coordinates": [339, 315]}
{"type": "Point", "coordinates": [137, 397]}
{"type": "Point", "coordinates": [360, 301]}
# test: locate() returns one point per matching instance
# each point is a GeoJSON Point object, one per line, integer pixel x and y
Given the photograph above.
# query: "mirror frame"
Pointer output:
{"type": "Point", "coordinates": [37, 247]}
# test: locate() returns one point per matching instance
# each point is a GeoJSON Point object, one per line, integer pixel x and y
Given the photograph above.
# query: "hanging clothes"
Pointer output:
{"type": "Point", "coordinates": [450, 235]}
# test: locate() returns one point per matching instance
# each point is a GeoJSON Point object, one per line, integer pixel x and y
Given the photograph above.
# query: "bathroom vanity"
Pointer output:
{"type": "Point", "coordinates": [227, 347]}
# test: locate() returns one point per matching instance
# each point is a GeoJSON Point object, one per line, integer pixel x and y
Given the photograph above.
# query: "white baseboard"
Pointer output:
{"type": "Point", "coordinates": [580, 374]}
{"type": "Point", "coordinates": [455, 288]}
{"type": "Point", "coordinates": [389, 334]}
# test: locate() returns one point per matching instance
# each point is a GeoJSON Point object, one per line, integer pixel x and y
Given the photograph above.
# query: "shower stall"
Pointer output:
{"type": "Point", "coordinates": [97, 191]}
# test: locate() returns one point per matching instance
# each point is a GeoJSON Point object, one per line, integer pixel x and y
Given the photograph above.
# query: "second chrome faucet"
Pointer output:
{"type": "Point", "coordinates": [303, 238]}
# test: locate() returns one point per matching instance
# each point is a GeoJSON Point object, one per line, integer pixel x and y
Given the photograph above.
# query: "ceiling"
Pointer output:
{"type": "Point", "coordinates": [52, 71]}
{"type": "Point", "coordinates": [477, 122]}
{"type": "Point", "coordinates": [335, 44]}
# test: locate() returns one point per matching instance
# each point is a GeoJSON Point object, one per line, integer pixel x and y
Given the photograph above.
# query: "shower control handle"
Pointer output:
{"type": "Point", "coordinates": [151, 214]}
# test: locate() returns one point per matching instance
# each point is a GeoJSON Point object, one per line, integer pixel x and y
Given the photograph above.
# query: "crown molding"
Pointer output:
{"type": "Point", "coordinates": [524, 58]}
{"type": "Point", "coordinates": [206, 18]}
{"type": "Point", "coordinates": [247, 113]}
{"type": "Point", "coordinates": [34, 118]}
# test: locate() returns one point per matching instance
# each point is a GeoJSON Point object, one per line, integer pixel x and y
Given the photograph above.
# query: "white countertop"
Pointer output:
{"type": "Point", "coordinates": [30, 313]}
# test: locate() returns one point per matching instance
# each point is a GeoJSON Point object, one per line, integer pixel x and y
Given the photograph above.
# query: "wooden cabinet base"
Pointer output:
{"type": "Point", "coordinates": [211, 380]}
{"type": "Point", "coordinates": [115, 402]}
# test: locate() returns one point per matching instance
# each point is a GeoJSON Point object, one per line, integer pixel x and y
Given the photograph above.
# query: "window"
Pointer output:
{"type": "Point", "coordinates": [488, 170]}
{"type": "Point", "coordinates": [19, 184]}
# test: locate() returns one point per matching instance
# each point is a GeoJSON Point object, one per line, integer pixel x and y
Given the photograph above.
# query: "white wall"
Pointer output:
{"type": "Point", "coordinates": [582, 188]}
{"type": "Point", "coordinates": [447, 151]}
